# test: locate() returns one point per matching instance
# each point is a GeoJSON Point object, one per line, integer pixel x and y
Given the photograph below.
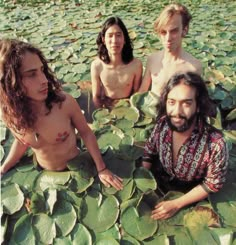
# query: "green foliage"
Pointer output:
{"type": "Point", "coordinates": [73, 207]}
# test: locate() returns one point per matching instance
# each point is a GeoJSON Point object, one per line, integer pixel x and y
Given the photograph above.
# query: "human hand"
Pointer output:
{"type": "Point", "coordinates": [109, 179]}
{"type": "Point", "coordinates": [165, 210]}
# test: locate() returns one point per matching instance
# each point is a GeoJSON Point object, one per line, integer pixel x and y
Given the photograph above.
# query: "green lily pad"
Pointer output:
{"type": "Point", "coordinates": [23, 231]}
{"type": "Point", "coordinates": [137, 222]}
{"type": "Point", "coordinates": [81, 235]}
{"type": "Point", "coordinates": [64, 216]}
{"type": "Point", "coordinates": [62, 241]}
{"type": "Point", "coordinates": [79, 184]}
{"type": "Point", "coordinates": [157, 239]}
{"type": "Point", "coordinates": [12, 198]}
{"type": "Point", "coordinates": [53, 180]}
{"type": "Point", "coordinates": [44, 228]}
{"type": "Point", "coordinates": [113, 232]}
{"type": "Point", "coordinates": [99, 212]}
{"type": "Point", "coordinates": [144, 180]}
{"type": "Point", "coordinates": [130, 113]}
{"type": "Point", "coordinates": [146, 102]}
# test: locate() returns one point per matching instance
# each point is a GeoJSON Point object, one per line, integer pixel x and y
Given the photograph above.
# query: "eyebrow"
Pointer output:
{"type": "Point", "coordinates": [184, 100]}
{"type": "Point", "coordinates": [32, 70]}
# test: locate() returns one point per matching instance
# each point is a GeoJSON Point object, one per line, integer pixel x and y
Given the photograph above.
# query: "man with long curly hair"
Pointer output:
{"type": "Point", "coordinates": [185, 152]}
{"type": "Point", "coordinates": [40, 115]}
{"type": "Point", "coordinates": [115, 73]}
{"type": "Point", "coordinates": [171, 26]}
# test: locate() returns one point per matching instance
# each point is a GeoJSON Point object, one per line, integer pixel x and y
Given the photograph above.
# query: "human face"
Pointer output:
{"type": "Point", "coordinates": [114, 40]}
{"type": "Point", "coordinates": [172, 33]}
{"type": "Point", "coordinates": [33, 77]}
{"type": "Point", "coordinates": [181, 108]}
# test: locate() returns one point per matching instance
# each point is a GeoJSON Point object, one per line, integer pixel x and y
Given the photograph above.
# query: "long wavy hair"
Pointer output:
{"type": "Point", "coordinates": [206, 107]}
{"type": "Point", "coordinates": [127, 51]}
{"type": "Point", "coordinates": [16, 108]}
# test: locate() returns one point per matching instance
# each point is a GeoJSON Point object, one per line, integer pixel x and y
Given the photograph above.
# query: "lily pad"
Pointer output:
{"type": "Point", "coordinates": [44, 228]}
{"type": "Point", "coordinates": [12, 198]}
{"type": "Point", "coordinates": [137, 222]}
{"type": "Point", "coordinates": [99, 212]}
{"type": "Point", "coordinates": [81, 235]}
{"type": "Point", "coordinates": [53, 180]}
{"type": "Point", "coordinates": [23, 231]}
{"type": "Point", "coordinates": [144, 180]}
{"type": "Point", "coordinates": [64, 216]}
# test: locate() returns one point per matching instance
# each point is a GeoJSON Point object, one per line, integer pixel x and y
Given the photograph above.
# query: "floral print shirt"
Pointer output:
{"type": "Point", "coordinates": [203, 156]}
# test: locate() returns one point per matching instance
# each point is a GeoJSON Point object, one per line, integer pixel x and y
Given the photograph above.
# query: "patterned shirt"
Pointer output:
{"type": "Point", "coordinates": [203, 156]}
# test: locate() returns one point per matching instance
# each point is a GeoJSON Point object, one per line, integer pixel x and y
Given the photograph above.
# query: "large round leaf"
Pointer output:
{"type": "Point", "coordinates": [53, 180]}
{"type": "Point", "coordinates": [64, 216]}
{"type": "Point", "coordinates": [23, 231]}
{"type": "Point", "coordinates": [130, 113]}
{"type": "Point", "coordinates": [80, 235]}
{"type": "Point", "coordinates": [137, 221]}
{"type": "Point", "coordinates": [79, 184]}
{"type": "Point", "coordinates": [99, 212]}
{"type": "Point", "coordinates": [12, 198]}
{"type": "Point", "coordinates": [144, 180]}
{"type": "Point", "coordinates": [44, 228]}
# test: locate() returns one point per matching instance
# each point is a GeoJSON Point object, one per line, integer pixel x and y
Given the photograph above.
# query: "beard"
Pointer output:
{"type": "Point", "coordinates": [188, 122]}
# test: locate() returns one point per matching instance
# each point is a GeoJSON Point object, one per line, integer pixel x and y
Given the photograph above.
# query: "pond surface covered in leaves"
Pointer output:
{"type": "Point", "coordinates": [73, 207]}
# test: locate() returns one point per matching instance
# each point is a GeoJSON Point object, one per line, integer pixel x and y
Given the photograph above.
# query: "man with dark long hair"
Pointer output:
{"type": "Point", "coordinates": [115, 73]}
{"type": "Point", "coordinates": [40, 115]}
{"type": "Point", "coordinates": [171, 26]}
{"type": "Point", "coordinates": [184, 151]}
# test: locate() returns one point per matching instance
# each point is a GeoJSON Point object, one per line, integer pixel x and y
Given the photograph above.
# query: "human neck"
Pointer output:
{"type": "Point", "coordinates": [39, 107]}
{"type": "Point", "coordinates": [115, 60]}
{"type": "Point", "coordinates": [172, 56]}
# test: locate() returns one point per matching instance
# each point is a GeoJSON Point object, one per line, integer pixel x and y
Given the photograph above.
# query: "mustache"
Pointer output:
{"type": "Point", "coordinates": [178, 116]}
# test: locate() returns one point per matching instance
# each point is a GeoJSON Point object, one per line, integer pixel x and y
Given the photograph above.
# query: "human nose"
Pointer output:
{"type": "Point", "coordinates": [114, 39]}
{"type": "Point", "coordinates": [177, 109]}
{"type": "Point", "coordinates": [42, 78]}
{"type": "Point", "coordinates": [168, 36]}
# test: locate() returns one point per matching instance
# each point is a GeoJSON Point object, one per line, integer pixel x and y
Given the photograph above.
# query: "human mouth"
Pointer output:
{"type": "Point", "coordinates": [44, 91]}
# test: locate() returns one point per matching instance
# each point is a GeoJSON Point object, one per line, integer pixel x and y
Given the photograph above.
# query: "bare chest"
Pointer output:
{"type": "Point", "coordinates": [51, 129]}
{"type": "Point", "coordinates": [177, 143]}
{"type": "Point", "coordinates": [161, 73]}
{"type": "Point", "coordinates": [118, 77]}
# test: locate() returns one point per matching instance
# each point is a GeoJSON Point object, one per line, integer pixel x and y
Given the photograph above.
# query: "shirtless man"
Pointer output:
{"type": "Point", "coordinates": [115, 74]}
{"type": "Point", "coordinates": [40, 115]}
{"type": "Point", "coordinates": [171, 26]}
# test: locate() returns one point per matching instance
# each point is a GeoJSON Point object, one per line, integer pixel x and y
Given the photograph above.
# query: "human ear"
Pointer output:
{"type": "Point", "coordinates": [185, 31]}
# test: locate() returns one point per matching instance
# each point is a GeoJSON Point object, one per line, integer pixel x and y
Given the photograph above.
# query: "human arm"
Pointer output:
{"type": "Point", "coordinates": [90, 141]}
{"type": "Point", "coordinates": [16, 152]}
{"type": "Point", "coordinates": [167, 209]}
{"type": "Point", "coordinates": [138, 75]}
{"type": "Point", "coordinates": [146, 81]}
{"type": "Point", "coordinates": [96, 84]}
{"type": "Point", "coordinates": [213, 181]}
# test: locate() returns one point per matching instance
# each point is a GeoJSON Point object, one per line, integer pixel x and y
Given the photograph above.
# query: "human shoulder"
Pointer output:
{"type": "Point", "coordinates": [194, 62]}
{"type": "Point", "coordinates": [155, 56]}
{"type": "Point", "coordinates": [136, 63]}
{"type": "Point", "coordinates": [97, 64]}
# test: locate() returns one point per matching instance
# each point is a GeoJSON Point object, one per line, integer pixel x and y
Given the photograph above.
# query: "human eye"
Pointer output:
{"type": "Point", "coordinates": [174, 31]}
{"type": "Point", "coordinates": [187, 103]}
{"type": "Point", "coordinates": [30, 74]}
{"type": "Point", "coordinates": [163, 32]}
{"type": "Point", "coordinates": [170, 102]}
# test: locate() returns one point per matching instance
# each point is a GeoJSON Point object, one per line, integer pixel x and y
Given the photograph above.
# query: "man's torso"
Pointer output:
{"type": "Point", "coordinates": [161, 71]}
{"type": "Point", "coordinates": [53, 140]}
{"type": "Point", "coordinates": [117, 82]}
